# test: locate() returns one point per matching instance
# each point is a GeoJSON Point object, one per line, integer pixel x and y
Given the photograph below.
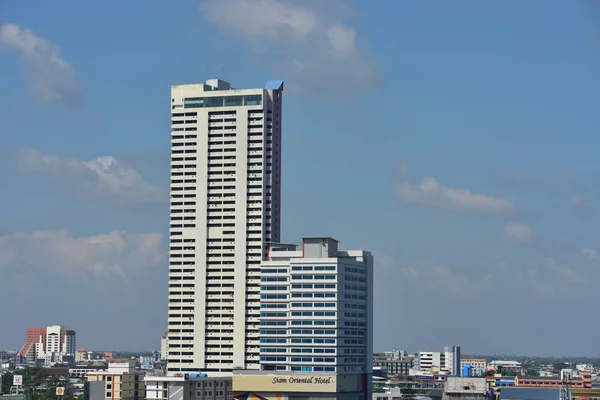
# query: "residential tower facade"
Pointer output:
{"type": "Point", "coordinates": [225, 207]}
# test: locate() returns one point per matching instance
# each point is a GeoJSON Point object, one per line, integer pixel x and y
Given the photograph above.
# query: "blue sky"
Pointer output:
{"type": "Point", "coordinates": [455, 140]}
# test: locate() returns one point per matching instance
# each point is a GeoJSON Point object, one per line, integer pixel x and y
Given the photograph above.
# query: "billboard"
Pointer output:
{"type": "Point", "coordinates": [285, 383]}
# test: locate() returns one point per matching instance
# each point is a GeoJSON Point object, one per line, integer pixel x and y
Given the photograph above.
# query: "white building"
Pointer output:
{"type": "Point", "coordinates": [54, 344]}
{"type": "Point", "coordinates": [316, 318]}
{"type": "Point", "coordinates": [430, 361]}
{"type": "Point", "coordinates": [225, 207]}
{"type": "Point", "coordinates": [451, 360]}
{"type": "Point", "coordinates": [317, 309]}
{"type": "Point", "coordinates": [447, 362]}
{"type": "Point", "coordinates": [513, 366]}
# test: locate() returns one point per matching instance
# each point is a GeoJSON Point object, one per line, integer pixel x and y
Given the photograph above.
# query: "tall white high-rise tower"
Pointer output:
{"type": "Point", "coordinates": [225, 209]}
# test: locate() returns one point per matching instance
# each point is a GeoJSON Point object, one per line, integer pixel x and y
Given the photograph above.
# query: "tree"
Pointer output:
{"type": "Point", "coordinates": [532, 372]}
{"type": "Point", "coordinates": [6, 384]}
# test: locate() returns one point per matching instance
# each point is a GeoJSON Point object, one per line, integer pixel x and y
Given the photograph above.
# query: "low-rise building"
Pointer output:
{"type": "Point", "coordinates": [465, 388]}
{"type": "Point", "coordinates": [120, 381]}
{"type": "Point", "coordinates": [584, 380]}
{"type": "Point", "coordinates": [275, 385]}
{"type": "Point", "coordinates": [506, 366]}
{"type": "Point", "coordinates": [393, 367]}
{"type": "Point", "coordinates": [187, 387]}
{"type": "Point", "coordinates": [476, 366]}
{"type": "Point", "coordinates": [389, 394]}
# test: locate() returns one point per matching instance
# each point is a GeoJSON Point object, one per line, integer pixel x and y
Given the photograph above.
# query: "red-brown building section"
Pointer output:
{"type": "Point", "coordinates": [32, 336]}
{"type": "Point", "coordinates": [583, 381]}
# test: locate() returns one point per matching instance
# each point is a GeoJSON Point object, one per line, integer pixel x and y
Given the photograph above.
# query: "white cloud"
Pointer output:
{"type": "Point", "coordinates": [52, 77]}
{"type": "Point", "coordinates": [103, 177]}
{"type": "Point", "coordinates": [589, 253]}
{"type": "Point", "coordinates": [318, 51]}
{"type": "Point", "coordinates": [431, 193]}
{"type": "Point", "coordinates": [519, 232]}
{"type": "Point", "coordinates": [115, 254]}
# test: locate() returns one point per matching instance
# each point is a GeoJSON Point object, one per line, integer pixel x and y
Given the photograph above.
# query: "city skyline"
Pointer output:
{"type": "Point", "coordinates": [460, 155]}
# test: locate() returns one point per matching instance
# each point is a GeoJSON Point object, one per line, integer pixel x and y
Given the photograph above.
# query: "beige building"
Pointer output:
{"type": "Point", "coordinates": [249, 385]}
{"type": "Point", "coordinates": [119, 382]}
{"type": "Point", "coordinates": [224, 209]}
{"type": "Point", "coordinates": [81, 355]}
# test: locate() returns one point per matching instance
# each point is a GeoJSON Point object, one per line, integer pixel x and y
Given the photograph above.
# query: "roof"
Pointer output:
{"type": "Point", "coordinates": [529, 394]}
{"type": "Point", "coordinates": [319, 238]}
{"type": "Point", "coordinates": [546, 378]}
{"type": "Point", "coordinates": [274, 85]}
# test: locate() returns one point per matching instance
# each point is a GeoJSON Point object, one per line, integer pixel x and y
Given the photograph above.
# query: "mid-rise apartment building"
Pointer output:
{"type": "Point", "coordinates": [49, 345]}
{"type": "Point", "coordinates": [225, 208]}
{"type": "Point", "coordinates": [316, 319]}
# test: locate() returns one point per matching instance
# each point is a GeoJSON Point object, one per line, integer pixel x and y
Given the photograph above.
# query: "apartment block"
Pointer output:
{"type": "Point", "coordinates": [225, 208]}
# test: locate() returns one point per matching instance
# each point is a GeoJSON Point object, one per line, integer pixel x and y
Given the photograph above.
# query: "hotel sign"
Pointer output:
{"type": "Point", "coordinates": [285, 383]}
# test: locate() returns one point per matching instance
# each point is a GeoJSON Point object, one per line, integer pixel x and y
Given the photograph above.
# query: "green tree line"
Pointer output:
{"type": "Point", "coordinates": [38, 384]}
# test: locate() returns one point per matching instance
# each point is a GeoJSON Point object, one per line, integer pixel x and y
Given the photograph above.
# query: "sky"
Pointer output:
{"type": "Point", "coordinates": [453, 140]}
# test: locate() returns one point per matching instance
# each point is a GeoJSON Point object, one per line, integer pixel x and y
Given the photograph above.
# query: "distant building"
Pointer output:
{"type": "Point", "coordinates": [465, 388]}
{"type": "Point", "coordinates": [53, 344]}
{"type": "Point", "coordinates": [507, 366]}
{"type": "Point", "coordinates": [584, 367]}
{"type": "Point", "coordinates": [450, 362]}
{"type": "Point", "coordinates": [389, 394]}
{"type": "Point", "coordinates": [447, 361]}
{"type": "Point", "coordinates": [478, 366]}
{"type": "Point", "coordinates": [583, 381]}
{"type": "Point", "coordinates": [81, 355]}
{"type": "Point", "coordinates": [120, 381]}
{"type": "Point", "coordinates": [393, 367]}
{"type": "Point", "coordinates": [429, 361]}
{"type": "Point", "coordinates": [80, 371]}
